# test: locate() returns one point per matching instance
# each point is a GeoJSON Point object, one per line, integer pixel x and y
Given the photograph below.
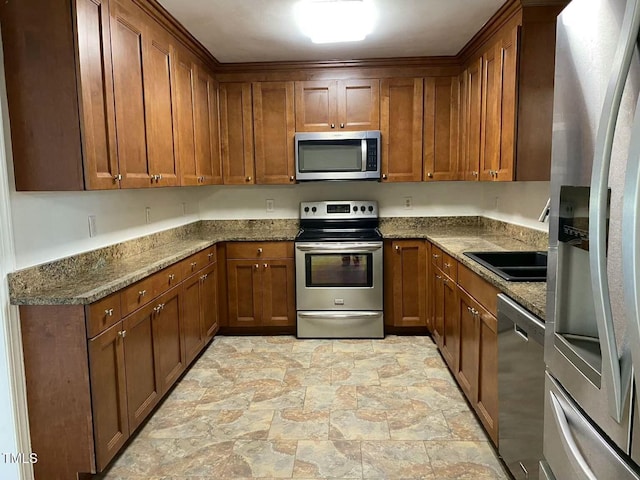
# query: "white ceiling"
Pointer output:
{"type": "Point", "coordinates": [265, 30]}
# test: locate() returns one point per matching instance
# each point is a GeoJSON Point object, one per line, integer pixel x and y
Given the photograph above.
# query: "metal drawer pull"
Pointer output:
{"type": "Point", "coordinates": [265, 265]}
{"type": "Point", "coordinates": [259, 251]}
{"type": "Point", "coordinates": [142, 293]}
{"type": "Point", "coordinates": [109, 312]}
{"type": "Point", "coordinates": [256, 266]}
{"type": "Point", "coordinates": [435, 255]}
{"type": "Point", "coordinates": [439, 277]}
{"type": "Point", "coordinates": [122, 333]}
{"type": "Point", "coordinates": [193, 264]}
{"type": "Point", "coordinates": [204, 277]}
{"type": "Point", "coordinates": [447, 265]}
{"type": "Point", "coordinates": [397, 248]}
{"type": "Point", "coordinates": [333, 125]}
{"type": "Point", "coordinates": [210, 255]}
{"type": "Point", "coordinates": [342, 125]}
{"type": "Point", "coordinates": [171, 277]}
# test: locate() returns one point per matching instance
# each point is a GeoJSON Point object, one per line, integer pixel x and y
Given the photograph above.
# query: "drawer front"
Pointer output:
{"type": "Point", "coordinates": [436, 256]}
{"type": "Point", "coordinates": [137, 295]}
{"type": "Point", "coordinates": [194, 263]}
{"type": "Point", "coordinates": [450, 266]}
{"type": "Point", "coordinates": [166, 279]}
{"type": "Point", "coordinates": [103, 314]}
{"type": "Point", "coordinates": [211, 254]}
{"type": "Point", "coordinates": [485, 293]}
{"type": "Point", "coordinates": [257, 250]}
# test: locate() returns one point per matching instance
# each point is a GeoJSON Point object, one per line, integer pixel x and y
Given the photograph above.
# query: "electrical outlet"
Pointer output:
{"type": "Point", "coordinates": [408, 203]}
{"type": "Point", "coordinates": [147, 212]}
{"type": "Point", "coordinates": [271, 205]}
{"type": "Point", "coordinates": [92, 226]}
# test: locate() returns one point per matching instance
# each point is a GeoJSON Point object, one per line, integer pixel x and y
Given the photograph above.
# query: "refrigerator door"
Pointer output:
{"type": "Point", "coordinates": [573, 448]}
{"type": "Point", "coordinates": [596, 89]}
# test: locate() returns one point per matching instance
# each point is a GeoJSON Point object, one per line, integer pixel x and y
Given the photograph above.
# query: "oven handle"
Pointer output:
{"type": "Point", "coordinates": [341, 315]}
{"type": "Point", "coordinates": [344, 248]}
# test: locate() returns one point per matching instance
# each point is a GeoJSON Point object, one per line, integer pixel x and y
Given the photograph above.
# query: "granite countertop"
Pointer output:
{"type": "Point", "coordinates": [88, 277]}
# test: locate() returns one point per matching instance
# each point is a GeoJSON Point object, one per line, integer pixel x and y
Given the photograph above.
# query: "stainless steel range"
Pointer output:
{"type": "Point", "coordinates": [339, 271]}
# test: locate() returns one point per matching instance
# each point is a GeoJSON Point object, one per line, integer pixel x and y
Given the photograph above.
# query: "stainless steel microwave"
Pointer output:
{"type": "Point", "coordinates": [338, 155]}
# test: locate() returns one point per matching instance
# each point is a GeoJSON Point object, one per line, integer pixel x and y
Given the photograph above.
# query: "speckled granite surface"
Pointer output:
{"type": "Point", "coordinates": [87, 277]}
{"type": "Point", "coordinates": [464, 234]}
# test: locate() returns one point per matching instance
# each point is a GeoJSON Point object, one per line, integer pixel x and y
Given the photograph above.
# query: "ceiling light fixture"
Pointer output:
{"type": "Point", "coordinates": [332, 21]}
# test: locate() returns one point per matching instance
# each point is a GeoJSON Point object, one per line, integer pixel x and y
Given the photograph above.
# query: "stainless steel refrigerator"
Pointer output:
{"type": "Point", "coordinates": [592, 339]}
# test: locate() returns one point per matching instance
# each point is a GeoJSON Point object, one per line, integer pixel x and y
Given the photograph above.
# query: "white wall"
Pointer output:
{"type": "Point", "coordinates": [518, 203]}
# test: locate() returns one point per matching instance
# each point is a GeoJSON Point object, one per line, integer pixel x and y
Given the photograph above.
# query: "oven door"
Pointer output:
{"type": "Point", "coordinates": [339, 276]}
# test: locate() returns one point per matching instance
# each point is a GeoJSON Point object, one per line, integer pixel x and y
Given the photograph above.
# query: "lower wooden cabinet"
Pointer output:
{"type": "Point", "coordinates": [405, 272]}
{"type": "Point", "coordinates": [200, 310]}
{"type": "Point", "coordinates": [261, 284]}
{"type": "Point", "coordinates": [450, 341]}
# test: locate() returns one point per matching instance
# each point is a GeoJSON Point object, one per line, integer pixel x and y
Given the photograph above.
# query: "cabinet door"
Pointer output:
{"type": "Point", "coordinates": [108, 394]}
{"type": "Point", "coordinates": [278, 287]}
{"type": "Point", "coordinates": [451, 320]}
{"type": "Point", "coordinates": [274, 128]}
{"type": "Point", "coordinates": [170, 357]}
{"type": "Point", "coordinates": [192, 318]}
{"type": "Point", "coordinates": [473, 120]}
{"type": "Point", "coordinates": [185, 127]}
{"type": "Point", "coordinates": [143, 383]}
{"type": "Point", "coordinates": [316, 106]}
{"type": "Point", "coordinates": [491, 113]}
{"type": "Point", "coordinates": [127, 25]}
{"type": "Point", "coordinates": [244, 293]}
{"type": "Point", "coordinates": [207, 133]}
{"type": "Point", "coordinates": [209, 301]}
{"type": "Point", "coordinates": [505, 170]}
{"type": "Point", "coordinates": [401, 126]}
{"type": "Point", "coordinates": [438, 306]}
{"type": "Point", "coordinates": [440, 128]}
{"type": "Point", "coordinates": [409, 283]}
{"type": "Point", "coordinates": [467, 372]}
{"type": "Point", "coordinates": [358, 104]}
{"type": "Point", "coordinates": [463, 124]}
{"type": "Point", "coordinates": [158, 107]}
{"type": "Point", "coordinates": [96, 87]}
{"type": "Point", "coordinates": [236, 133]}
{"type": "Point", "coordinates": [487, 405]}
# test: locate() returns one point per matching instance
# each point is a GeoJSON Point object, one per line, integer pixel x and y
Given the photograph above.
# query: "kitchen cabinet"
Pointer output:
{"type": "Point", "coordinates": [198, 129]}
{"type": "Point", "coordinates": [261, 284]}
{"type": "Point", "coordinates": [440, 136]}
{"type": "Point", "coordinates": [236, 133]}
{"type": "Point", "coordinates": [200, 310]}
{"type": "Point", "coordinates": [446, 321]}
{"type": "Point", "coordinates": [401, 119]}
{"type": "Point", "coordinates": [274, 129]}
{"type": "Point", "coordinates": [473, 121]}
{"type": "Point", "coordinates": [326, 105]}
{"type": "Point", "coordinates": [142, 93]}
{"type": "Point", "coordinates": [405, 270]}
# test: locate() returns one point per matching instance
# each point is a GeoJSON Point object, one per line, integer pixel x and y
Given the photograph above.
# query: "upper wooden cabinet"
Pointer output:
{"type": "Point", "coordinates": [236, 133]}
{"type": "Point", "coordinates": [273, 129]}
{"type": "Point", "coordinates": [401, 126]}
{"type": "Point", "coordinates": [326, 105]}
{"type": "Point", "coordinates": [440, 138]}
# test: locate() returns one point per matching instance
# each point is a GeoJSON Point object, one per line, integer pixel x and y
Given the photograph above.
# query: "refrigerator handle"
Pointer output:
{"type": "Point", "coordinates": [577, 461]}
{"type": "Point", "coordinates": [611, 374]}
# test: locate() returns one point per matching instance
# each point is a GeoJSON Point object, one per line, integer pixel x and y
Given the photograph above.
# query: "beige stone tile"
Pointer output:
{"type": "Point", "coordinates": [330, 360]}
{"type": "Point", "coordinates": [396, 345]}
{"type": "Point", "coordinates": [361, 424]}
{"type": "Point", "coordinates": [401, 460]}
{"type": "Point", "coordinates": [464, 461]}
{"type": "Point", "coordinates": [334, 397]}
{"type": "Point", "coordinates": [259, 458]}
{"type": "Point", "coordinates": [225, 398]}
{"type": "Point", "coordinates": [296, 377]}
{"type": "Point", "coordinates": [352, 346]}
{"type": "Point", "coordinates": [437, 396]}
{"type": "Point", "coordinates": [241, 424]}
{"type": "Point", "coordinates": [296, 424]}
{"type": "Point", "coordinates": [373, 360]}
{"type": "Point", "coordinates": [328, 459]}
{"type": "Point", "coordinates": [278, 398]}
{"type": "Point", "coordinates": [464, 425]}
{"type": "Point", "coordinates": [313, 346]}
{"type": "Point", "coordinates": [418, 360]}
{"type": "Point", "coordinates": [177, 422]}
{"type": "Point", "coordinates": [208, 377]}
{"type": "Point", "coordinates": [418, 425]}
{"type": "Point", "coordinates": [281, 344]}
{"type": "Point", "coordinates": [352, 376]}
{"type": "Point", "coordinates": [247, 376]}
{"type": "Point", "coordinates": [223, 345]}
{"type": "Point", "coordinates": [391, 375]}
{"type": "Point", "coordinates": [383, 398]}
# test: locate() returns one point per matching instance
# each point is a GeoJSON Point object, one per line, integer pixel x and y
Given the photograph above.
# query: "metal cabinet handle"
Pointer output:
{"type": "Point", "coordinates": [474, 173]}
{"type": "Point", "coordinates": [333, 125]}
{"type": "Point", "coordinates": [193, 264]}
{"type": "Point", "coordinates": [210, 255]}
{"type": "Point", "coordinates": [122, 333]}
{"type": "Point", "coordinates": [159, 307]}
{"type": "Point", "coordinates": [397, 248]}
{"type": "Point", "coordinates": [384, 176]}
{"type": "Point", "coordinates": [429, 174]}
{"type": "Point", "coordinates": [248, 179]}
{"type": "Point", "coordinates": [118, 177]}
{"type": "Point", "coordinates": [342, 125]}
{"type": "Point", "coordinates": [445, 280]}
{"type": "Point", "coordinates": [142, 293]}
{"type": "Point", "coordinates": [435, 255]}
{"type": "Point", "coordinates": [266, 265]}
{"type": "Point", "coordinates": [447, 265]}
{"type": "Point", "coordinates": [172, 277]}
{"type": "Point", "coordinates": [259, 251]}
{"type": "Point", "coordinates": [109, 312]}
{"type": "Point", "coordinates": [256, 266]}
{"type": "Point", "coordinates": [292, 178]}
{"type": "Point", "coordinates": [439, 277]}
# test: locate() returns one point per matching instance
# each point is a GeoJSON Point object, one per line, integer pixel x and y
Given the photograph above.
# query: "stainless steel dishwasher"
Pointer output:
{"type": "Point", "coordinates": [520, 388]}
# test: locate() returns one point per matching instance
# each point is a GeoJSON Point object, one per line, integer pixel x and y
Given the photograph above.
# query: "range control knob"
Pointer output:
{"type": "Point", "coordinates": [355, 209]}
{"type": "Point", "coordinates": [314, 209]}
{"type": "Point", "coordinates": [362, 209]}
{"type": "Point", "coordinates": [306, 209]}
{"type": "Point", "coordinates": [371, 208]}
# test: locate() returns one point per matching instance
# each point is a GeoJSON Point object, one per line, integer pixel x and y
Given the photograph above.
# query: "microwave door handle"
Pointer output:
{"type": "Point", "coordinates": [364, 155]}
{"type": "Point", "coordinates": [611, 374]}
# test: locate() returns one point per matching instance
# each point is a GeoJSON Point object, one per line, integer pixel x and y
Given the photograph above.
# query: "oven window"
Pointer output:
{"type": "Point", "coordinates": [339, 270]}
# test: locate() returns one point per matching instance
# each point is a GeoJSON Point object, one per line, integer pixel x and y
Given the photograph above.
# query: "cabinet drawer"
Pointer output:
{"type": "Point", "coordinates": [478, 288]}
{"type": "Point", "coordinates": [198, 261]}
{"type": "Point", "coordinates": [102, 314]}
{"type": "Point", "coordinates": [257, 250]}
{"type": "Point", "coordinates": [449, 266]}
{"type": "Point", "coordinates": [137, 295]}
{"type": "Point", "coordinates": [436, 256]}
{"type": "Point", "coordinates": [166, 279]}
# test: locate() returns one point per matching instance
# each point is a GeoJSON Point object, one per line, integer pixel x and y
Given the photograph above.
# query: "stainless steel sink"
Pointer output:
{"type": "Point", "coordinates": [514, 266]}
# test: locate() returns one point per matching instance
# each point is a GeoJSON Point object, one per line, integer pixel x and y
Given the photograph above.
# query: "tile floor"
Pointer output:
{"type": "Point", "coordinates": [278, 407]}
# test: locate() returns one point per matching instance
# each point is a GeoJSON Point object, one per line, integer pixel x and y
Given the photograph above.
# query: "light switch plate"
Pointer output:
{"type": "Point", "coordinates": [271, 205]}
{"type": "Point", "coordinates": [92, 226]}
{"type": "Point", "coordinates": [147, 212]}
